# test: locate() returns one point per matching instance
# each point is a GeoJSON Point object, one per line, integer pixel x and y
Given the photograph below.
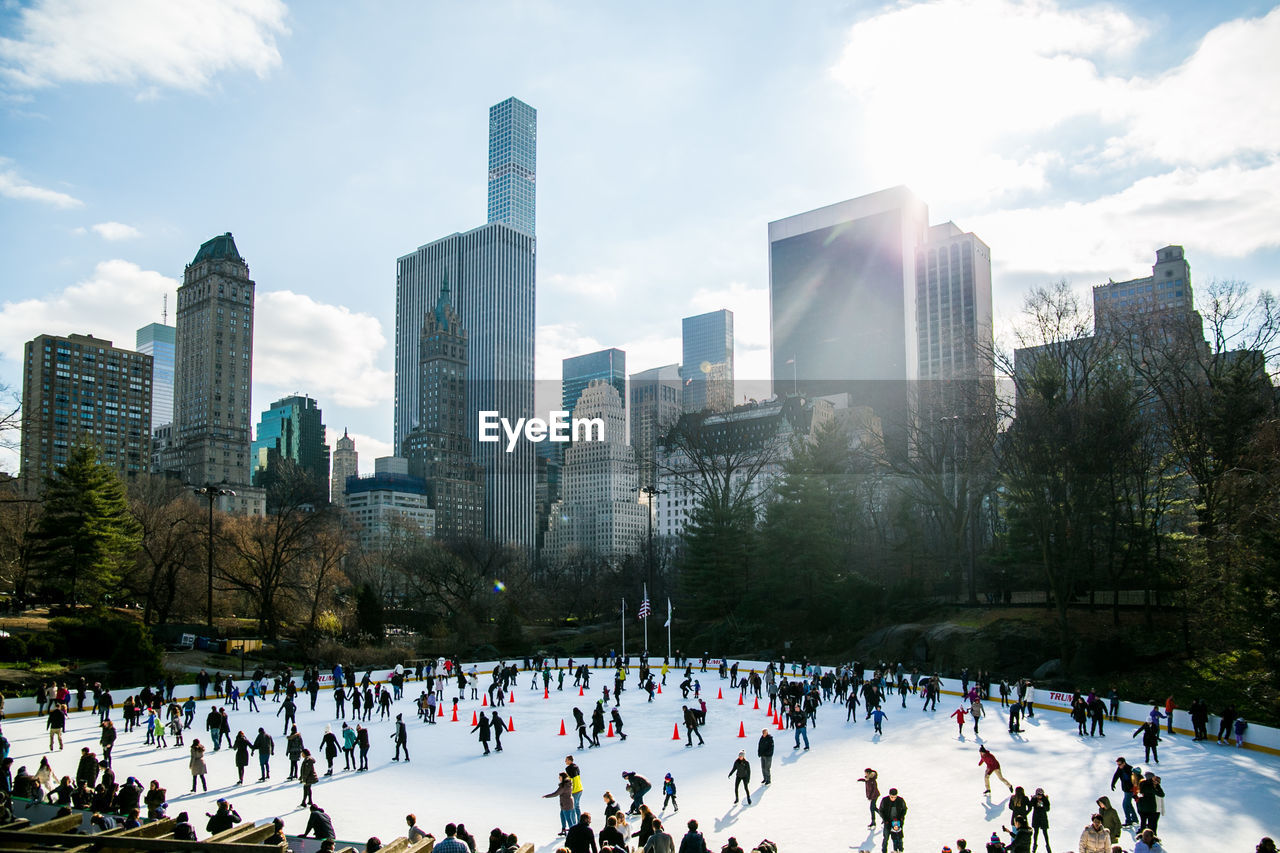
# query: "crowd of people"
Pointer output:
{"type": "Point", "coordinates": [797, 695]}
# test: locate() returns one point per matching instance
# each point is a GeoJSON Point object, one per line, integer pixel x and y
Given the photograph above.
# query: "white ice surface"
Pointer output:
{"type": "Point", "coordinates": [1218, 798]}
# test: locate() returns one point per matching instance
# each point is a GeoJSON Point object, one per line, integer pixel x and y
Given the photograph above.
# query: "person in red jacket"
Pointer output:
{"type": "Point", "coordinates": [870, 779]}
{"type": "Point", "coordinates": [993, 768]}
{"type": "Point", "coordinates": [959, 714]}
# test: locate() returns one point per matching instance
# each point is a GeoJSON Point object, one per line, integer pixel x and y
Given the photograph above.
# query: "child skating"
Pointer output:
{"type": "Point", "coordinates": [669, 794]}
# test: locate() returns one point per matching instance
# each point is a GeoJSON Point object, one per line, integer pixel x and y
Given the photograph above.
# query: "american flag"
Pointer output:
{"type": "Point", "coordinates": [644, 609]}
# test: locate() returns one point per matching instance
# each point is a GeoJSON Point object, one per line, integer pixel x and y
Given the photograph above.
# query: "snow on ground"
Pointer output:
{"type": "Point", "coordinates": [815, 803]}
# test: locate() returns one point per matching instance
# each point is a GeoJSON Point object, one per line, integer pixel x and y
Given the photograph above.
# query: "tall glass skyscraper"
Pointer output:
{"type": "Point", "coordinates": [292, 429]}
{"type": "Point", "coordinates": [157, 340]}
{"type": "Point", "coordinates": [513, 148]}
{"type": "Point", "coordinates": [707, 353]}
{"type": "Point", "coordinates": [577, 372]}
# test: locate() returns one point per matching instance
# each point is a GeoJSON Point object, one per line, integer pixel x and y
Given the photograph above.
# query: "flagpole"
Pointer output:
{"type": "Point", "coordinates": [624, 629]}
{"type": "Point", "coordinates": [645, 650]}
{"type": "Point", "coordinates": [669, 629]}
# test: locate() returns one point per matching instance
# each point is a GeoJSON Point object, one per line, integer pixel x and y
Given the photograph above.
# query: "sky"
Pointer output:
{"type": "Point", "coordinates": [333, 137]}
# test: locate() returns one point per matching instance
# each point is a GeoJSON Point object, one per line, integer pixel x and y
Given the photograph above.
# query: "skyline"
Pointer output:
{"type": "Point", "coordinates": [1080, 138]}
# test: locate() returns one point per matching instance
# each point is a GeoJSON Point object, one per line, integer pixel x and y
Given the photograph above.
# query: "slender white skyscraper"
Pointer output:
{"type": "Point", "coordinates": [513, 155]}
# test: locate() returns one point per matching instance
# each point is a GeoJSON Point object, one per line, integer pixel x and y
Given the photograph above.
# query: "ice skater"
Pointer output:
{"type": "Point", "coordinates": [741, 771]}
{"type": "Point", "coordinates": [986, 758]}
{"type": "Point", "coordinates": [669, 793]}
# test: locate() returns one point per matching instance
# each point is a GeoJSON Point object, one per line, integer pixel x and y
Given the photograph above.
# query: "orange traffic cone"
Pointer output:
{"type": "Point", "coordinates": [580, 691]}
{"type": "Point", "coordinates": [562, 728]}
{"type": "Point", "coordinates": [610, 732]}
{"type": "Point", "coordinates": [779, 724]}
{"type": "Point", "coordinates": [740, 702]}
{"type": "Point", "coordinates": [455, 714]}
{"type": "Point", "coordinates": [484, 701]}
{"type": "Point", "coordinates": [511, 724]}
{"type": "Point", "coordinates": [742, 729]}
{"type": "Point", "coordinates": [719, 694]}
{"type": "Point", "coordinates": [513, 697]}
{"type": "Point", "coordinates": [675, 732]}
{"type": "Point", "coordinates": [474, 721]}
{"type": "Point", "coordinates": [756, 706]}
{"type": "Point", "coordinates": [659, 689]}
{"type": "Point", "coordinates": [546, 693]}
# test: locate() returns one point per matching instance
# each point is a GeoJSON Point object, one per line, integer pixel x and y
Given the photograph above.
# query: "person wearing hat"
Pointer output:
{"type": "Point", "coordinates": [638, 786]}
{"type": "Point", "coordinates": [1040, 819]}
{"type": "Point", "coordinates": [870, 782]}
{"type": "Point", "coordinates": [994, 845]}
{"type": "Point", "coordinates": [741, 771]}
{"type": "Point", "coordinates": [320, 824]}
{"type": "Point", "coordinates": [223, 819]}
{"type": "Point", "coordinates": [669, 792]}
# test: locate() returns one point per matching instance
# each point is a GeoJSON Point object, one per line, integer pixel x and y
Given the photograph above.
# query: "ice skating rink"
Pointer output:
{"type": "Point", "coordinates": [1217, 797]}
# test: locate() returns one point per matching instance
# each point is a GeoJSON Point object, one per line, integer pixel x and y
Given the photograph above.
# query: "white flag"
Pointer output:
{"type": "Point", "coordinates": [668, 625]}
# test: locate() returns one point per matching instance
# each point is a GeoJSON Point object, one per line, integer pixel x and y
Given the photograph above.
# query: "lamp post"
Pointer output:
{"type": "Point", "coordinates": [212, 493]}
{"type": "Point", "coordinates": [651, 491]}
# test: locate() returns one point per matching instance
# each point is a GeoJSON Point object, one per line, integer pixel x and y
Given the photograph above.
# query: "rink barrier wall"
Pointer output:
{"type": "Point", "coordinates": [1259, 738]}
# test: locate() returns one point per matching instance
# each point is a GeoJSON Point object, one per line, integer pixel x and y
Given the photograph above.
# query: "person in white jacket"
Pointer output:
{"type": "Point", "coordinates": [1095, 838]}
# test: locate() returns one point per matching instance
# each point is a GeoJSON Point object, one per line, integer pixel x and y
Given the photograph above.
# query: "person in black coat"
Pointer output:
{"type": "Point", "coordinates": [764, 749]}
{"type": "Point", "coordinates": [1040, 819]}
{"type": "Point", "coordinates": [183, 830]}
{"type": "Point", "coordinates": [741, 771]}
{"type": "Point", "coordinates": [892, 808]}
{"type": "Point", "coordinates": [223, 819]}
{"type": "Point", "coordinates": [482, 726]}
{"type": "Point", "coordinates": [1150, 740]}
{"type": "Point", "coordinates": [580, 838]}
{"type": "Point", "coordinates": [319, 824]}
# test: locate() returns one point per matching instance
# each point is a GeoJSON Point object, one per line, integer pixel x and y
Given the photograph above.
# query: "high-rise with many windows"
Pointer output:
{"type": "Point", "coordinates": [82, 390]}
{"type": "Point", "coordinates": [513, 154]}
{"type": "Point", "coordinates": [655, 408]}
{"type": "Point", "coordinates": [579, 371]}
{"type": "Point", "coordinates": [292, 431]}
{"type": "Point", "coordinates": [213, 365]}
{"type": "Point", "coordinates": [953, 306]}
{"type": "Point", "coordinates": [707, 371]}
{"type": "Point", "coordinates": [157, 341]}
{"type": "Point", "coordinates": [346, 463]}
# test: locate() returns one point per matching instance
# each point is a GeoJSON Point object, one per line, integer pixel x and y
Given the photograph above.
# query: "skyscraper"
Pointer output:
{"type": "Point", "coordinates": [491, 277]}
{"type": "Point", "coordinates": [707, 354]}
{"type": "Point", "coordinates": [579, 371]}
{"type": "Point", "coordinates": [292, 430]}
{"type": "Point", "coordinates": [491, 271]}
{"type": "Point", "coordinates": [953, 307]}
{"type": "Point", "coordinates": [513, 150]}
{"type": "Point", "coordinates": [81, 389]}
{"type": "Point", "coordinates": [842, 286]}
{"type": "Point", "coordinates": [655, 408]}
{"type": "Point", "coordinates": [213, 365]}
{"type": "Point", "coordinates": [600, 512]}
{"type": "Point", "coordinates": [438, 449]}
{"type": "Point", "coordinates": [157, 341]}
{"type": "Point", "coordinates": [346, 463]}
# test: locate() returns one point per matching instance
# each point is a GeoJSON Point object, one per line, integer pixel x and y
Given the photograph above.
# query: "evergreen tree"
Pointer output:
{"type": "Point", "coordinates": [87, 536]}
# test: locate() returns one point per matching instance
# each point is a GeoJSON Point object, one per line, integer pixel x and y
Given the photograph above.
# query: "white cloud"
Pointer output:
{"type": "Point", "coordinates": [13, 186]}
{"type": "Point", "coordinates": [115, 231]}
{"type": "Point", "coordinates": [1229, 210]}
{"type": "Point", "coordinates": [116, 299]}
{"type": "Point", "coordinates": [326, 351]}
{"type": "Point", "coordinates": [598, 285]}
{"type": "Point", "coordinates": [149, 42]}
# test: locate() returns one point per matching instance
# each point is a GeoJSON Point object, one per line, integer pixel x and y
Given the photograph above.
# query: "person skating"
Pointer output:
{"type": "Point", "coordinates": [329, 747]}
{"type": "Point", "coordinates": [401, 737]}
{"type": "Point", "coordinates": [637, 786]}
{"type": "Point", "coordinates": [308, 777]}
{"type": "Point", "coordinates": [1110, 818]}
{"type": "Point", "coordinates": [241, 749]}
{"type": "Point", "coordinates": [800, 722]}
{"type": "Point", "coordinates": [483, 727]}
{"type": "Point", "coordinates": [597, 723]}
{"type": "Point", "coordinates": [498, 727]}
{"type": "Point", "coordinates": [1149, 792]}
{"type": "Point", "coordinates": [959, 714]}
{"type": "Point", "coordinates": [564, 790]}
{"type": "Point", "coordinates": [1124, 776]}
{"type": "Point", "coordinates": [290, 710]}
{"type": "Point", "coordinates": [669, 793]}
{"type": "Point", "coordinates": [764, 751]}
{"type": "Point", "coordinates": [741, 771]}
{"type": "Point", "coordinates": [877, 718]}
{"type": "Point", "coordinates": [362, 743]}
{"type": "Point", "coordinates": [893, 810]}
{"type": "Point", "coordinates": [616, 717]}
{"type": "Point", "coordinates": [293, 749]}
{"type": "Point", "coordinates": [575, 776]}
{"type": "Point", "coordinates": [197, 766]}
{"type": "Point", "coordinates": [871, 787]}
{"type": "Point", "coordinates": [581, 723]}
{"type": "Point", "coordinates": [348, 747]}
{"type": "Point", "coordinates": [1040, 820]}
{"type": "Point", "coordinates": [265, 746]}
{"type": "Point", "coordinates": [691, 726]}
{"type": "Point", "coordinates": [1150, 732]}
{"type": "Point", "coordinates": [992, 765]}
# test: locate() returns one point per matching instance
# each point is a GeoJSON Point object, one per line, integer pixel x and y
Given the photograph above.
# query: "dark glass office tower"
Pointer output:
{"type": "Point", "coordinates": [707, 368]}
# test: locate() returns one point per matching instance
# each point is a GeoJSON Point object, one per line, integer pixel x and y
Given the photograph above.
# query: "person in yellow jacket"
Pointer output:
{"type": "Point", "coordinates": [575, 780]}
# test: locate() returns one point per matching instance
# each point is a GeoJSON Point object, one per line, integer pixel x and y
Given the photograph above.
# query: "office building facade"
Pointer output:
{"type": "Point", "coordinates": [513, 154]}
{"type": "Point", "coordinates": [707, 362]}
{"type": "Point", "coordinates": [213, 365]}
{"type": "Point", "coordinates": [292, 430]}
{"type": "Point", "coordinates": [579, 371]}
{"type": "Point", "coordinates": [655, 408]}
{"type": "Point", "coordinates": [346, 463]}
{"type": "Point", "coordinates": [80, 389]}
{"type": "Point", "coordinates": [389, 504]}
{"type": "Point", "coordinates": [157, 340]}
{"type": "Point", "coordinates": [438, 449]}
{"type": "Point", "coordinates": [491, 274]}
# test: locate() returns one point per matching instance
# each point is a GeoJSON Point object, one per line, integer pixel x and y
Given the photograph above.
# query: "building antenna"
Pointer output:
{"type": "Point", "coordinates": [164, 312]}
